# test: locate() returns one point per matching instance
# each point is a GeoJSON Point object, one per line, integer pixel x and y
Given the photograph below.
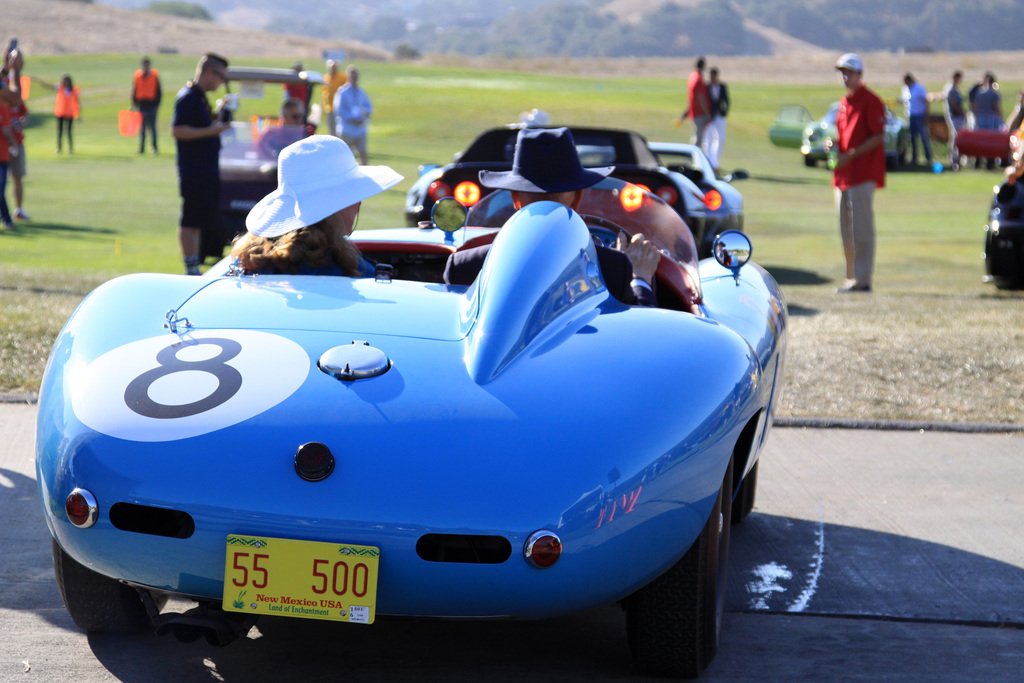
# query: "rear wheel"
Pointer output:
{"type": "Point", "coordinates": [98, 604]}
{"type": "Point", "coordinates": [743, 503]}
{"type": "Point", "coordinates": [808, 161]}
{"type": "Point", "coordinates": [674, 622]}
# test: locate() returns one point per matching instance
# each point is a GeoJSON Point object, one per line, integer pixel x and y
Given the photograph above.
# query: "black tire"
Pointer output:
{"type": "Point", "coordinates": [674, 622]}
{"type": "Point", "coordinates": [808, 161]}
{"type": "Point", "coordinates": [1009, 284]}
{"type": "Point", "coordinates": [98, 604]}
{"type": "Point", "coordinates": [743, 503]}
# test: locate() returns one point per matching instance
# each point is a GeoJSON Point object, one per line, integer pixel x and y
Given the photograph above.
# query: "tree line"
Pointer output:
{"type": "Point", "coordinates": [585, 28]}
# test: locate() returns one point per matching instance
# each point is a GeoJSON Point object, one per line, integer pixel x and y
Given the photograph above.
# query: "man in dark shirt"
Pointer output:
{"type": "Point", "coordinates": [197, 134]}
{"type": "Point", "coordinates": [547, 167]}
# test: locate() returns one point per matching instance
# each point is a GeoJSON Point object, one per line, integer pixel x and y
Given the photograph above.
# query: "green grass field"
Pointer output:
{"type": "Point", "coordinates": [932, 342]}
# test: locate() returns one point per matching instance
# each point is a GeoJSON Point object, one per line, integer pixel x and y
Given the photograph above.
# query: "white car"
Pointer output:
{"type": "Point", "coordinates": [723, 203]}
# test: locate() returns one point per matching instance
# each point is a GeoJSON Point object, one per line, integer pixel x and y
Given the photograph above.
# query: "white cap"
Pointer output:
{"type": "Point", "coordinates": [850, 61]}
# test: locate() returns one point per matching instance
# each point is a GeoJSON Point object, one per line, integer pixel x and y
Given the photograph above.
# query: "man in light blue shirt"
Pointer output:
{"type": "Point", "coordinates": [352, 109]}
{"type": "Point", "coordinates": [915, 101]}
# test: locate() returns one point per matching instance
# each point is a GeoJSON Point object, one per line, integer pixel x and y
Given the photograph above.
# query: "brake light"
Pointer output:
{"type": "Point", "coordinates": [543, 549]}
{"type": "Point", "coordinates": [669, 194]}
{"type": "Point", "coordinates": [632, 197]}
{"type": "Point", "coordinates": [467, 193]}
{"type": "Point", "coordinates": [82, 508]}
{"type": "Point", "coordinates": [712, 199]}
{"type": "Point", "coordinates": [439, 190]}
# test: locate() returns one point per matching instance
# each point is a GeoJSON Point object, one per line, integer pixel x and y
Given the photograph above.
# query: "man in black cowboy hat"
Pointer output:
{"type": "Point", "coordinates": [546, 167]}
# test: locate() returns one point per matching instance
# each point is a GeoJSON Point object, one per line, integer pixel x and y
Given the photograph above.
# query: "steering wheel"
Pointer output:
{"type": "Point", "coordinates": [606, 231]}
{"type": "Point", "coordinates": [669, 275]}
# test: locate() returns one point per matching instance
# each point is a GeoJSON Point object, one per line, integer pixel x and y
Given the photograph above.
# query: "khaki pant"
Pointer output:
{"type": "Point", "coordinates": [856, 211]}
{"type": "Point", "coordinates": [700, 124]}
{"type": "Point", "coordinates": [357, 145]}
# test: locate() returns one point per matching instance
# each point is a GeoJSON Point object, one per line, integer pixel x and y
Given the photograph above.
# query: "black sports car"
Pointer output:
{"type": "Point", "coordinates": [1004, 238]}
{"type": "Point", "coordinates": [494, 149]}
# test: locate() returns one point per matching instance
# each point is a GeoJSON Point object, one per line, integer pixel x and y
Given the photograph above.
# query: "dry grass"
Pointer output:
{"type": "Point", "coordinates": [932, 357]}
{"type": "Point", "coordinates": [34, 309]}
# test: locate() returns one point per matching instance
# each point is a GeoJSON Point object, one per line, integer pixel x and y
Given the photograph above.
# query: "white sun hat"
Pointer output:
{"type": "Point", "coordinates": [316, 177]}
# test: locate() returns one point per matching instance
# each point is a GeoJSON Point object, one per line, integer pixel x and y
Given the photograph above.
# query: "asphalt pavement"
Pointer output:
{"type": "Point", "coordinates": [871, 555]}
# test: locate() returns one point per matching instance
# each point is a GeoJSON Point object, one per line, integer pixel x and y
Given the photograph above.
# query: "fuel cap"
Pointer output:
{"type": "Point", "coordinates": [357, 360]}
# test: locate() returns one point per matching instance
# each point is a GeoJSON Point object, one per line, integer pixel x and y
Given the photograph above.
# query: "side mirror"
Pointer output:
{"type": "Point", "coordinates": [738, 174]}
{"type": "Point", "coordinates": [448, 215]}
{"type": "Point", "coordinates": [732, 249]}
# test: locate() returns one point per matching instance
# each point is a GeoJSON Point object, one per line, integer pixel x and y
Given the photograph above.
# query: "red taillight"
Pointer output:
{"type": "Point", "coordinates": [438, 190]}
{"type": "Point", "coordinates": [668, 193]}
{"type": "Point", "coordinates": [467, 193]}
{"type": "Point", "coordinates": [542, 549]}
{"type": "Point", "coordinates": [712, 199]}
{"type": "Point", "coordinates": [81, 508]}
{"type": "Point", "coordinates": [632, 197]}
{"type": "Point", "coordinates": [314, 461]}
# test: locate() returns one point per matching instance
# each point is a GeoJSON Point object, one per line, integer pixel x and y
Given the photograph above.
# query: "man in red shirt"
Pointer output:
{"type": "Point", "coordinates": [700, 103]}
{"type": "Point", "coordinates": [859, 169]}
{"type": "Point", "coordinates": [6, 142]}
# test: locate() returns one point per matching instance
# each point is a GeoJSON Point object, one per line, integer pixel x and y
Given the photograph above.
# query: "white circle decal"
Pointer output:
{"type": "Point", "coordinates": [174, 387]}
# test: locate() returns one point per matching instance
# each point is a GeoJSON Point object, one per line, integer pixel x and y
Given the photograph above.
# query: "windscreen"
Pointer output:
{"type": "Point", "coordinates": [624, 204]}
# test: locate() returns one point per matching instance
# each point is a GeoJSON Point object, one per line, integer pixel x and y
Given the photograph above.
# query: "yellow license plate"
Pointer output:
{"type": "Point", "coordinates": [307, 579]}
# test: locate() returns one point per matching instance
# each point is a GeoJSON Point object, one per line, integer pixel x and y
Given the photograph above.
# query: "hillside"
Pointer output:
{"type": "Point", "coordinates": [51, 27]}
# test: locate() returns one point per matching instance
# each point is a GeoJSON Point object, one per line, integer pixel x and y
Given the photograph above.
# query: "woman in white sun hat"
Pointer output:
{"type": "Point", "coordinates": [302, 227]}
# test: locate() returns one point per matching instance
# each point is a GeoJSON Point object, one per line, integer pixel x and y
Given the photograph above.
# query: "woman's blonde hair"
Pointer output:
{"type": "Point", "coordinates": [314, 246]}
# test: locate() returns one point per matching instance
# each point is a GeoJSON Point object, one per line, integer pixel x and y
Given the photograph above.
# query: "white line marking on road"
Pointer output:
{"type": "Point", "coordinates": [819, 557]}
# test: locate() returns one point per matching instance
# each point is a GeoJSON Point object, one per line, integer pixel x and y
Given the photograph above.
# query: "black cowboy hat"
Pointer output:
{"type": "Point", "coordinates": [545, 161]}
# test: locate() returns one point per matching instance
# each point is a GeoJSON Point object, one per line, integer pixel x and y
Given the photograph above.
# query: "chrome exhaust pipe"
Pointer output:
{"type": "Point", "coordinates": [220, 628]}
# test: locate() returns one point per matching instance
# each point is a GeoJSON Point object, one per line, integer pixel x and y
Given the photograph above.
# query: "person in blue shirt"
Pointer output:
{"type": "Point", "coordinates": [915, 102]}
{"type": "Point", "coordinates": [352, 110]}
{"type": "Point", "coordinates": [303, 226]}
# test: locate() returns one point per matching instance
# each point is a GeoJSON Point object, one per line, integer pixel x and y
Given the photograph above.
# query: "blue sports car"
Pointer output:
{"type": "Point", "coordinates": [345, 449]}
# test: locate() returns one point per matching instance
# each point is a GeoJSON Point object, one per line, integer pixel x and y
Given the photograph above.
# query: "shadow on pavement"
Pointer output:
{"type": "Point", "coordinates": [780, 564]}
{"type": "Point", "coordinates": [782, 573]}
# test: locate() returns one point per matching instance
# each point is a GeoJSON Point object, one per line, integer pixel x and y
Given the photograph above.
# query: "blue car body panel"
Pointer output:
{"type": "Point", "coordinates": [512, 405]}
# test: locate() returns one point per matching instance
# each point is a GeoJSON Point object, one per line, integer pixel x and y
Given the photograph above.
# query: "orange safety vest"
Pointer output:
{"type": "Point", "coordinates": [66, 106]}
{"type": "Point", "coordinates": [146, 86]}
